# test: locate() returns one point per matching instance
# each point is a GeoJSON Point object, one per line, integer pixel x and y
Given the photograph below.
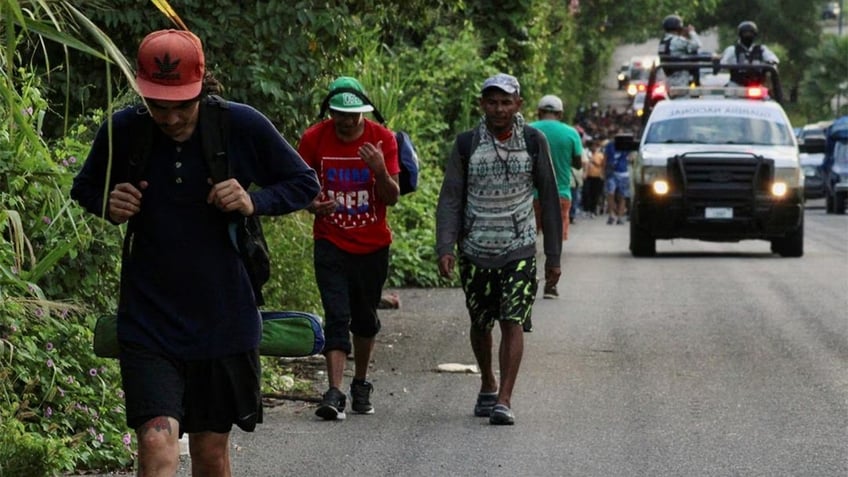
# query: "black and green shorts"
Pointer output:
{"type": "Point", "coordinates": [499, 294]}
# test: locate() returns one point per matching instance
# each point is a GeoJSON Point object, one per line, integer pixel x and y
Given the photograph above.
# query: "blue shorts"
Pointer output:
{"type": "Point", "coordinates": [351, 286]}
{"type": "Point", "coordinates": [498, 294]}
{"type": "Point", "coordinates": [618, 182]}
{"type": "Point", "coordinates": [208, 395]}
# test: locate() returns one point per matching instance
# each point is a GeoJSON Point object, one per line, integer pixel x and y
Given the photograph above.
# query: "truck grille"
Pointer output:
{"type": "Point", "coordinates": [720, 181]}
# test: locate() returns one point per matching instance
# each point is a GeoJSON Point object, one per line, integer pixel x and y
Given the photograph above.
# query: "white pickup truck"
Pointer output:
{"type": "Point", "coordinates": [717, 163]}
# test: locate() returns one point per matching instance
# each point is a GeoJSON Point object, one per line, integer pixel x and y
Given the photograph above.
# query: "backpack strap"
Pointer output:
{"type": "Point", "coordinates": [137, 162]}
{"type": "Point", "coordinates": [325, 104]}
{"type": "Point", "coordinates": [214, 131]}
{"type": "Point", "coordinates": [757, 53]}
{"type": "Point", "coordinates": [532, 141]}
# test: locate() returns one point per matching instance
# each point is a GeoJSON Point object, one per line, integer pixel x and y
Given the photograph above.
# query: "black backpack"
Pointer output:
{"type": "Point", "coordinates": [407, 155]}
{"type": "Point", "coordinates": [214, 131]}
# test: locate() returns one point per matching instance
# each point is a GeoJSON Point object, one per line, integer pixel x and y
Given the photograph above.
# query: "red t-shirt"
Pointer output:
{"type": "Point", "coordinates": [358, 224]}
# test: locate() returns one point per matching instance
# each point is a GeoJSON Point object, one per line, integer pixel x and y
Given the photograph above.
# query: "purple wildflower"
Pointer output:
{"type": "Point", "coordinates": [92, 371]}
{"type": "Point", "coordinates": [70, 380]}
{"type": "Point", "coordinates": [48, 412]}
{"type": "Point", "coordinates": [65, 162]}
{"type": "Point", "coordinates": [61, 391]}
{"type": "Point", "coordinates": [39, 312]}
{"type": "Point", "coordinates": [27, 111]}
{"type": "Point", "coordinates": [127, 439]}
{"type": "Point", "coordinates": [49, 363]}
{"type": "Point", "coordinates": [46, 220]}
{"type": "Point", "coordinates": [49, 346]}
{"type": "Point", "coordinates": [100, 437]}
{"type": "Point", "coordinates": [72, 159]}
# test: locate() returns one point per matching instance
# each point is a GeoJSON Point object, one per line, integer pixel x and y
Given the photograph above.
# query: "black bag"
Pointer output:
{"type": "Point", "coordinates": [249, 237]}
{"type": "Point", "coordinates": [253, 249]}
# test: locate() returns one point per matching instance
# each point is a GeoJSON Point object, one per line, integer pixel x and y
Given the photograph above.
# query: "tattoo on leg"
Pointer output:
{"type": "Point", "coordinates": [157, 424]}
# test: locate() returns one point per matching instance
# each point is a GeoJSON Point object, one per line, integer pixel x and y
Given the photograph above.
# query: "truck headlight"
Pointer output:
{"type": "Point", "coordinates": [779, 189]}
{"type": "Point", "coordinates": [660, 187]}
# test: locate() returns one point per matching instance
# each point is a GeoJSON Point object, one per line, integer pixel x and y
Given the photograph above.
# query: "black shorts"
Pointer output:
{"type": "Point", "coordinates": [202, 395]}
{"type": "Point", "coordinates": [351, 286]}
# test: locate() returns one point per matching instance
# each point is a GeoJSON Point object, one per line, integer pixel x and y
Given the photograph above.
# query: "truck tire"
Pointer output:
{"type": "Point", "coordinates": [642, 244]}
{"type": "Point", "coordinates": [792, 245]}
{"type": "Point", "coordinates": [839, 199]}
{"type": "Point", "coordinates": [828, 203]}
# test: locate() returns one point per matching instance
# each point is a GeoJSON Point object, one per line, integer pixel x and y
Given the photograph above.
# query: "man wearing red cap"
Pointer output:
{"type": "Point", "coordinates": [188, 322]}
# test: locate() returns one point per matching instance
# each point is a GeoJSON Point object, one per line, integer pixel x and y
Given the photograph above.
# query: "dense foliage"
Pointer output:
{"type": "Point", "coordinates": [422, 63]}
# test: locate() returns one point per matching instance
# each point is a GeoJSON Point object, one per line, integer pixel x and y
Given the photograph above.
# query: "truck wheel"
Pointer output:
{"type": "Point", "coordinates": [792, 245]}
{"type": "Point", "coordinates": [828, 203]}
{"type": "Point", "coordinates": [839, 202]}
{"type": "Point", "coordinates": [642, 244]}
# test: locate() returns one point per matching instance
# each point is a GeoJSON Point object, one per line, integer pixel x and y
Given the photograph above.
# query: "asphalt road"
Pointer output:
{"type": "Point", "coordinates": [708, 360]}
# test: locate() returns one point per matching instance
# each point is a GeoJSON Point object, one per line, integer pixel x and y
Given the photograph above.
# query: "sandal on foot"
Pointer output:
{"type": "Point", "coordinates": [485, 403]}
{"type": "Point", "coordinates": [502, 416]}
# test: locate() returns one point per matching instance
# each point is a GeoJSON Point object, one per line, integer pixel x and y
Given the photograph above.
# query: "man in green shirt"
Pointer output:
{"type": "Point", "coordinates": [566, 152]}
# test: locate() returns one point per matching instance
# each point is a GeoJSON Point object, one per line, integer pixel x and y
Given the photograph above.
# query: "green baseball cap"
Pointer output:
{"type": "Point", "coordinates": [348, 102]}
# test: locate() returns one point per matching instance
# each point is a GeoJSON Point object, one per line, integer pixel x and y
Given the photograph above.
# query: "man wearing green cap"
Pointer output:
{"type": "Point", "coordinates": [357, 164]}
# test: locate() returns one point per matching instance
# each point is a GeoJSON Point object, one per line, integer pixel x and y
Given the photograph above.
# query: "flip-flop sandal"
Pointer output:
{"type": "Point", "coordinates": [485, 403]}
{"type": "Point", "coordinates": [502, 416]}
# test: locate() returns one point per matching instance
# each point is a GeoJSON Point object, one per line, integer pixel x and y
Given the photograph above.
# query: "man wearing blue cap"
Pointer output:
{"type": "Point", "coordinates": [485, 224]}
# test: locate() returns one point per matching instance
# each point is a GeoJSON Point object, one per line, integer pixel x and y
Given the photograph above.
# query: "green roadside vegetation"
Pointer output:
{"type": "Point", "coordinates": [422, 64]}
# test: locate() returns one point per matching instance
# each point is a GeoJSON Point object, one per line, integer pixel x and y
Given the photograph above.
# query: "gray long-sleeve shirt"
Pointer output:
{"type": "Point", "coordinates": [486, 201]}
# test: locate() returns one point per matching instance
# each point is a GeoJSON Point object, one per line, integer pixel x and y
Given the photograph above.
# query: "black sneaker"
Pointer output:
{"type": "Point", "coordinates": [332, 405]}
{"type": "Point", "coordinates": [528, 325]}
{"type": "Point", "coordinates": [551, 292]}
{"type": "Point", "coordinates": [360, 397]}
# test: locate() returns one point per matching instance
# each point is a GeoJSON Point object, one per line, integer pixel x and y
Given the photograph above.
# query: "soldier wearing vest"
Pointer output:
{"type": "Point", "coordinates": [678, 41]}
{"type": "Point", "coordinates": [746, 52]}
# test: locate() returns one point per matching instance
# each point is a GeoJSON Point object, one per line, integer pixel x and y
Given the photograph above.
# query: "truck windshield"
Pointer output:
{"type": "Point", "coordinates": [725, 130]}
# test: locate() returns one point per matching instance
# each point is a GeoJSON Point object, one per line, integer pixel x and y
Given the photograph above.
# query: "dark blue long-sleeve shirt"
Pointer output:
{"type": "Point", "coordinates": [185, 291]}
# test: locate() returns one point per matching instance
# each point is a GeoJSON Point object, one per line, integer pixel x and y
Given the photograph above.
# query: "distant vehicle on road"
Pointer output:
{"type": "Point", "coordinates": [623, 75]}
{"type": "Point", "coordinates": [716, 163]}
{"type": "Point", "coordinates": [830, 11]}
{"type": "Point", "coordinates": [836, 166]}
{"type": "Point", "coordinates": [812, 135]}
{"type": "Point", "coordinates": [639, 73]}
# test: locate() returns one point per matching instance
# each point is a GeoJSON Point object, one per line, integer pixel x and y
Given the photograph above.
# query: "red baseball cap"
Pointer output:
{"type": "Point", "coordinates": [170, 66]}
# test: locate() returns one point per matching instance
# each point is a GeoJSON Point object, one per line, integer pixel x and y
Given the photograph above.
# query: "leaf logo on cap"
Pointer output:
{"type": "Point", "coordinates": [167, 68]}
